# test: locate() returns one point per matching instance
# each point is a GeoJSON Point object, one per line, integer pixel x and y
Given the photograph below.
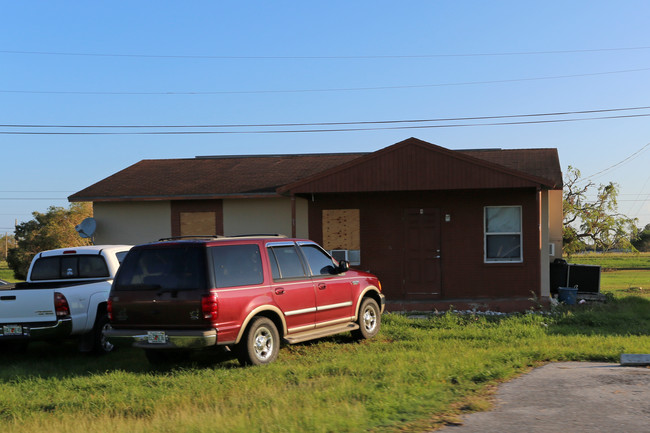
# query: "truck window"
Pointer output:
{"type": "Point", "coordinates": [237, 265]}
{"type": "Point", "coordinates": [69, 267]}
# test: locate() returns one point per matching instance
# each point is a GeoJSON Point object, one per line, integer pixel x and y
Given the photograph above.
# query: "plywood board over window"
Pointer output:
{"type": "Point", "coordinates": [341, 229]}
{"type": "Point", "coordinates": [198, 223]}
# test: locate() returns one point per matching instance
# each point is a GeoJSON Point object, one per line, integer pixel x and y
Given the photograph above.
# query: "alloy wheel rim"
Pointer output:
{"type": "Point", "coordinates": [369, 319]}
{"type": "Point", "coordinates": [263, 344]}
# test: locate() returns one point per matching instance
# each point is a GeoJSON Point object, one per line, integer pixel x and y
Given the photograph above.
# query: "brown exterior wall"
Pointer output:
{"type": "Point", "coordinates": [179, 206]}
{"type": "Point", "coordinates": [464, 274]}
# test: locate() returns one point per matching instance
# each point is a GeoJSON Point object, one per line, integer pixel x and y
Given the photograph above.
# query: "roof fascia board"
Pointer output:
{"type": "Point", "coordinates": [174, 197]}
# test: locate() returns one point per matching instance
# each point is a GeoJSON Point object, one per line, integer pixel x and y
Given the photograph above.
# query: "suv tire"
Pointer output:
{"type": "Point", "coordinates": [101, 345]}
{"type": "Point", "coordinates": [260, 344]}
{"type": "Point", "coordinates": [369, 320]}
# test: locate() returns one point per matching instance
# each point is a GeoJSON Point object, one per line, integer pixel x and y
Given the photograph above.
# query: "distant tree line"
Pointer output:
{"type": "Point", "coordinates": [52, 229]}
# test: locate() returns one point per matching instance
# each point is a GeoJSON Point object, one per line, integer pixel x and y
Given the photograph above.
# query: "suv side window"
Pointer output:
{"type": "Point", "coordinates": [319, 262]}
{"type": "Point", "coordinates": [237, 265]}
{"type": "Point", "coordinates": [285, 262]}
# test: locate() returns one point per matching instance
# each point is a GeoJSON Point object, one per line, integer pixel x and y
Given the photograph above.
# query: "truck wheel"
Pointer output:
{"type": "Point", "coordinates": [101, 345]}
{"type": "Point", "coordinates": [260, 344]}
{"type": "Point", "coordinates": [369, 320]}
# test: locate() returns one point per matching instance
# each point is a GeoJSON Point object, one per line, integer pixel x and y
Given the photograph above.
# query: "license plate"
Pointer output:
{"type": "Point", "coordinates": [156, 337]}
{"type": "Point", "coordinates": [12, 330]}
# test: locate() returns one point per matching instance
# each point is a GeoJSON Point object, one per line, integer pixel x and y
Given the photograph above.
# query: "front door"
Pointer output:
{"type": "Point", "coordinates": [421, 269]}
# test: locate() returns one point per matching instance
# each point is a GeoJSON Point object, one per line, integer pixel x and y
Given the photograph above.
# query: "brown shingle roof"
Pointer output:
{"type": "Point", "coordinates": [246, 176]}
{"type": "Point", "coordinates": [543, 163]}
{"type": "Point", "coordinates": [208, 177]}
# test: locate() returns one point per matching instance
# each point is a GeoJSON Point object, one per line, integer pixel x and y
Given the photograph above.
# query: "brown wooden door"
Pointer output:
{"type": "Point", "coordinates": [421, 269]}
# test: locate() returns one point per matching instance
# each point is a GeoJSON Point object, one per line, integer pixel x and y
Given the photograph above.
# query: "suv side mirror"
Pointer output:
{"type": "Point", "coordinates": [344, 266]}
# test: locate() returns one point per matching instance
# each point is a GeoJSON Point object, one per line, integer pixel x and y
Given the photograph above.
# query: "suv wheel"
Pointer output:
{"type": "Point", "coordinates": [369, 320]}
{"type": "Point", "coordinates": [101, 344]}
{"type": "Point", "coordinates": [260, 344]}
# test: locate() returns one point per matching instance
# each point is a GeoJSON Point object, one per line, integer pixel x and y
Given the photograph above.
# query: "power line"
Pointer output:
{"type": "Point", "coordinates": [629, 158]}
{"type": "Point", "coordinates": [342, 89]}
{"type": "Point", "coordinates": [288, 131]}
{"type": "Point", "coordinates": [358, 57]}
{"type": "Point", "coordinates": [365, 122]}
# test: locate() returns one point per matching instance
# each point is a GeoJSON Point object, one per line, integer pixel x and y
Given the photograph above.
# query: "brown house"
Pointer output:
{"type": "Point", "coordinates": [475, 228]}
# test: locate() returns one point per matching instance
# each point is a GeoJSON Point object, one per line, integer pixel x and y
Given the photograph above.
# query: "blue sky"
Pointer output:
{"type": "Point", "coordinates": [216, 63]}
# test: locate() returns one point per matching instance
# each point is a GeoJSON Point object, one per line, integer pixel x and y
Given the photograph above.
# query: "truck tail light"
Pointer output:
{"type": "Point", "coordinates": [109, 308]}
{"type": "Point", "coordinates": [61, 307]}
{"type": "Point", "coordinates": [209, 307]}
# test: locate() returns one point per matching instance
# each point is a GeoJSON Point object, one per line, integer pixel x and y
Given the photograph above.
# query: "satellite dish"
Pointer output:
{"type": "Point", "coordinates": [86, 228]}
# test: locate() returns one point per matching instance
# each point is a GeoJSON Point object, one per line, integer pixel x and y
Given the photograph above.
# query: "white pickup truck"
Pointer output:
{"type": "Point", "coordinates": [64, 296]}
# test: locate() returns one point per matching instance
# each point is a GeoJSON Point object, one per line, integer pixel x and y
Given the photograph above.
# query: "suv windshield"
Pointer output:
{"type": "Point", "coordinates": [174, 268]}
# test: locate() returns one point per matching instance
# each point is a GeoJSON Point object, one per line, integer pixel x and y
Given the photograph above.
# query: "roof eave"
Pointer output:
{"type": "Point", "coordinates": [172, 197]}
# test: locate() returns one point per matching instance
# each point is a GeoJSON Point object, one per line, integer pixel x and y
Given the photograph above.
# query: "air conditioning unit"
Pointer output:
{"type": "Point", "coordinates": [339, 254]}
{"type": "Point", "coordinates": [352, 256]}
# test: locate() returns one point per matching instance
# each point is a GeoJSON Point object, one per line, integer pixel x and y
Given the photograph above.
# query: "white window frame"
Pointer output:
{"type": "Point", "coordinates": [486, 259]}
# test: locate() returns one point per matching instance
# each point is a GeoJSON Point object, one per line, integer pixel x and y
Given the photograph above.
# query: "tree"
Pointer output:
{"type": "Point", "coordinates": [6, 241]}
{"type": "Point", "coordinates": [593, 223]}
{"type": "Point", "coordinates": [642, 241]}
{"type": "Point", "coordinates": [53, 229]}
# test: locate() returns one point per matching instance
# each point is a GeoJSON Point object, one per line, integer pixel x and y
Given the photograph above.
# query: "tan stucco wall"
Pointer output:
{"type": "Point", "coordinates": [545, 268]}
{"type": "Point", "coordinates": [555, 221]}
{"type": "Point", "coordinates": [132, 222]}
{"type": "Point", "coordinates": [272, 215]}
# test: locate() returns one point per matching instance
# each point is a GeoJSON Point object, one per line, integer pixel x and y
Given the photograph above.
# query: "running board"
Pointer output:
{"type": "Point", "coordinates": [320, 332]}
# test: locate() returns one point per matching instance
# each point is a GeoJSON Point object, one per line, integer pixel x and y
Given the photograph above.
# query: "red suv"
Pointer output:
{"type": "Point", "coordinates": [241, 292]}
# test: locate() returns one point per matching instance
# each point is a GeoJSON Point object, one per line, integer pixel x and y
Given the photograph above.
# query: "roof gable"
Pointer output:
{"type": "Point", "coordinates": [417, 165]}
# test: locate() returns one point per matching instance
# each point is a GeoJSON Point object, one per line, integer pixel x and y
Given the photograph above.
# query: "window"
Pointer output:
{"type": "Point", "coordinates": [285, 263]}
{"type": "Point", "coordinates": [237, 265]}
{"type": "Point", "coordinates": [503, 234]}
{"type": "Point", "coordinates": [342, 234]}
{"type": "Point", "coordinates": [319, 262]}
{"type": "Point", "coordinates": [174, 268]}
{"type": "Point", "coordinates": [69, 267]}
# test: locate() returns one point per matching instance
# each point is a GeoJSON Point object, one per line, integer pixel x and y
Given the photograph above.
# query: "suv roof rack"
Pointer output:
{"type": "Point", "coordinates": [177, 238]}
{"type": "Point", "coordinates": [259, 235]}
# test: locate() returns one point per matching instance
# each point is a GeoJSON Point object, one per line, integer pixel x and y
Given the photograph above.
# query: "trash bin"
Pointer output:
{"type": "Point", "coordinates": [567, 295]}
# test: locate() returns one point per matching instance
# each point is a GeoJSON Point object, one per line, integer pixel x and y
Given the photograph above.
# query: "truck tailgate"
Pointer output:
{"type": "Point", "coordinates": [23, 306]}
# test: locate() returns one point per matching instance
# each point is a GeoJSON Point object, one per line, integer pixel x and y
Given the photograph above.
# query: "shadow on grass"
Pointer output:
{"type": "Point", "coordinates": [62, 360]}
{"type": "Point", "coordinates": [625, 316]}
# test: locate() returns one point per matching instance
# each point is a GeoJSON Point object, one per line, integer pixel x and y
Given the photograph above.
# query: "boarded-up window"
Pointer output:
{"type": "Point", "coordinates": [341, 234]}
{"type": "Point", "coordinates": [198, 223]}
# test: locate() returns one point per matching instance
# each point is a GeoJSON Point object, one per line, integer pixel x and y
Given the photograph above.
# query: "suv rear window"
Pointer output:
{"type": "Point", "coordinates": [174, 268]}
{"type": "Point", "coordinates": [69, 267]}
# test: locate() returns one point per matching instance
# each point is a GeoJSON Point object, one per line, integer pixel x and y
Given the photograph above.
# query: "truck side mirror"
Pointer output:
{"type": "Point", "coordinates": [344, 266]}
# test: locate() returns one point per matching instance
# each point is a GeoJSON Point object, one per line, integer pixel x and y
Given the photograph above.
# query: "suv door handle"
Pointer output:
{"type": "Point", "coordinates": [322, 286]}
{"type": "Point", "coordinates": [279, 291]}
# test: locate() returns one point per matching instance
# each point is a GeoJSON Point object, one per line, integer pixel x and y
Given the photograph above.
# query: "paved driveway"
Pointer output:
{"type": "Point", "coordinates": [568, 397]}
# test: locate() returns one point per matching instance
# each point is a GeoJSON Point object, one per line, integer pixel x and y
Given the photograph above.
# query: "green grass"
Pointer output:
{"type": "Point", "coordinates": [416, 375]}
{"type": "Point", "coordinates": [6, 273]}
{"type": "Point", "coordinates": [613, 260]}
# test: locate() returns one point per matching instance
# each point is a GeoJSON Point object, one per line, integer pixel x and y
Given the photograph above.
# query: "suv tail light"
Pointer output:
{"type": "Point", "coordinates": [109, 308]}
{"type": "Point", "coordinates": [209, 307]}
{"type": "Point", "coordinates": [61, 307]}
